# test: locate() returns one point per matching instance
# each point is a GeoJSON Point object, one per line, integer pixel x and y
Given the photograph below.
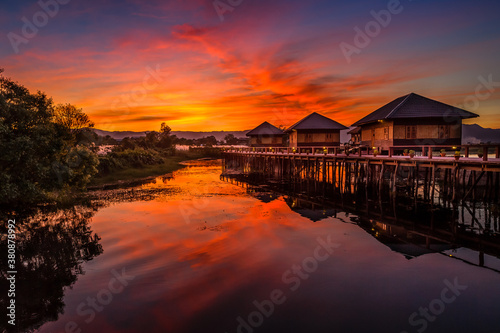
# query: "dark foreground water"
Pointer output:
{"type": "Point", "coordinates": [199, 254]}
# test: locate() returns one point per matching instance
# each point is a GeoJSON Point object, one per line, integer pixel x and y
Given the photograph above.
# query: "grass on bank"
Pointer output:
{"type": "Point", "coordinates": [170, 165]}
{"type": "Point", "coordinates": [137, 170]}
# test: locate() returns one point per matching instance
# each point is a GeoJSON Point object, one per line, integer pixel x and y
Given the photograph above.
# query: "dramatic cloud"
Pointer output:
{"type": "Point", "coordinates": [132, 65]}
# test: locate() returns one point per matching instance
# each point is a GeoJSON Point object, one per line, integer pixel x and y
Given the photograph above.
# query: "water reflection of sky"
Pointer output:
{"type": "Point", "coordinates": [204, 253]}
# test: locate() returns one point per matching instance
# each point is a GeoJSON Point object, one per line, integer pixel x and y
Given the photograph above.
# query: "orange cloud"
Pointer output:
{"type": "Point", "coordinates": [232, 75]}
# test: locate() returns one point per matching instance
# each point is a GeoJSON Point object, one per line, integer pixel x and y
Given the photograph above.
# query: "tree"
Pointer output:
{"type": "Point", "coordinates": [34, 147]}
{"type": "Point", "coordinates": [165, 129]}
{"type": "Point", "coordinates": [72, 118]}
{"type": "Point", "coordinates": [76, 122]}
{"type": "Point", "coordinates": [108, 140]}
{"type": "Point", "coordinates": [29, 142]}
{"type": "Point", "coordinates": [127, 143]}
{"type": "Point", "coordinates": [230, 139]}
{"type": "Point", "coordinates": [208, 141]}
{"type": "Point", "coordinates": [182, 141]}
{"type": "Point", "coordinates": [165, 139]}
{"type": "Point", "coordinates": [151, 139]}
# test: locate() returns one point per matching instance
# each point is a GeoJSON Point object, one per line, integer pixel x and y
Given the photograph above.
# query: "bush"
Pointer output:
{"type": "Point", "coordinates": [131, 158]}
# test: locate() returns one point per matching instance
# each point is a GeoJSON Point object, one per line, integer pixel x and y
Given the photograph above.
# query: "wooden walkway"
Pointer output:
{"type": "Point", "coordinates": [470, 178]}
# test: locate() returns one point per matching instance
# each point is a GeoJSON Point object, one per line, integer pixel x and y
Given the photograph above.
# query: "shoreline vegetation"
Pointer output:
{"type": "Point", "coordinates": [50, 155]}
{"type": "Point", "coordinates": [131, 176]}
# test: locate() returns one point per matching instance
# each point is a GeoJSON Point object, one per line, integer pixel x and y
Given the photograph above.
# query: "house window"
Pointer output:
{"type": "Point", "coordinates": [329, 137]}
{"type": "Point", "coordinates": [411, 132]}
{"type": "Point", "coordinates": [386, 133]}
{"type": "Point", "coordinates": [309, 138]}
{"type": "Point", "coordinates": [444, 131]}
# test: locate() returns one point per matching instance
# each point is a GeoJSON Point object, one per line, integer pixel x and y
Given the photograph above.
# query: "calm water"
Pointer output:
{"type": "Point", "coordinates": [200, 254]}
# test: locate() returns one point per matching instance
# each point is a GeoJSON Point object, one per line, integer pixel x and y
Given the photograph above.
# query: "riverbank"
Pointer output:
{"type": "Point", "coordinates": [130, 190]}
{"type": "Point", "coordinates": [116, 179]}
{"type": "Point", "coordinates": [133, 165]}
{"type": "Point", "coordinates": [129, 175]}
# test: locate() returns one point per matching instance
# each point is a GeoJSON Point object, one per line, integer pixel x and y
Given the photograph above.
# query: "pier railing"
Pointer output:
{"type": "Point", "coordinates": [482, 151]}
{"type": "Point", "coordinates": [473, 152]}
{"type": "Point", "coordinates": [331, 150]}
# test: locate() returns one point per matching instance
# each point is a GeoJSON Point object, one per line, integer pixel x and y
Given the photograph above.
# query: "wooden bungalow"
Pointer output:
{"type": "Point", "coordinates": [355, 136]}
{"type": "Point", "coordinates": [315, 130]}
{"type": "Point", "coordinates": [413, 120]}
{"type": "Point", "coordinates": [266, 135]}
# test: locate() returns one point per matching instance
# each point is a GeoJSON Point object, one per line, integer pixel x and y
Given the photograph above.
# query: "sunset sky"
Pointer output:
{"type": "Point", "coordinates": [202, 65]}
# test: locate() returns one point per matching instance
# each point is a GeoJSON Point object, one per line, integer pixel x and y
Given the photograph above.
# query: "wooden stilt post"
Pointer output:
{"type": "Point", "coordinates": [367, 178]}
{"type": "Point", "coordinates": [381, 179]}
{"type": "Point", "coordinates": [325, 178]}
{"type": "Point", "coordinates": [463, 181]}
{"type": "Point", "coordinates": [455, 181]}
{"type": "Point", "coordinates": [445, 185]}
{"type": "Point", "coordinates": [395, 178]}
{"type": "Point", "coordinates": [433, 184]}
{"type": "Point", "coordinates": [488, 181]}
{"type": "Point", "coordinates": [473, 188]}
{"type": "Point", "coordinates": [334, 174]}
{"type": "Point", "coordinates": [497, 186]}
{"type": "Point", "coordinates": [416, 181]}
{"type": "Point", "coordinates": [341, 176]}
{"type": "Point", "coordinates": [355, 174]}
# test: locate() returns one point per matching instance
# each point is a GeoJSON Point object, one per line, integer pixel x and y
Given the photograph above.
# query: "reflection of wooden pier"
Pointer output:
{"type": "Point", "coordinates": [409, 230]}
{"type": "Point", "coordinates": [469, 177]}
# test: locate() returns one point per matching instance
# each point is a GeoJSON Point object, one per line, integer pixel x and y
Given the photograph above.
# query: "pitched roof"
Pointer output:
{"type": "Point", "coordinates": [265, 129]}
{"type": "Point", "coordinates": [316, 121]}
{"type": "Point", "coordinates": [415, 106]}
{"type": "Point", "coordinates": [355, 130]}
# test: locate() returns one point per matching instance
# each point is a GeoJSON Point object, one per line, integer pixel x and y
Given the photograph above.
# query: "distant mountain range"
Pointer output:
{"type": "Point", "coordinates": [219, 135]}
{"type": "Point", "coordinates": [472, 134]}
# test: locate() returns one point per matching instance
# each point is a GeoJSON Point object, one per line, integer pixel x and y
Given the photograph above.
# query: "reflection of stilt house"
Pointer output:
{"type": "Point", "coordinates": [315, 130]}
{"type": "Point", "coordinates": [309, 209]}
{"type": "Point", "coordinates": [413, 120]}
{"type": "Point", "coordinates": [399, 239]}
{"type": "Point", "coordinates": [266, 135]}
